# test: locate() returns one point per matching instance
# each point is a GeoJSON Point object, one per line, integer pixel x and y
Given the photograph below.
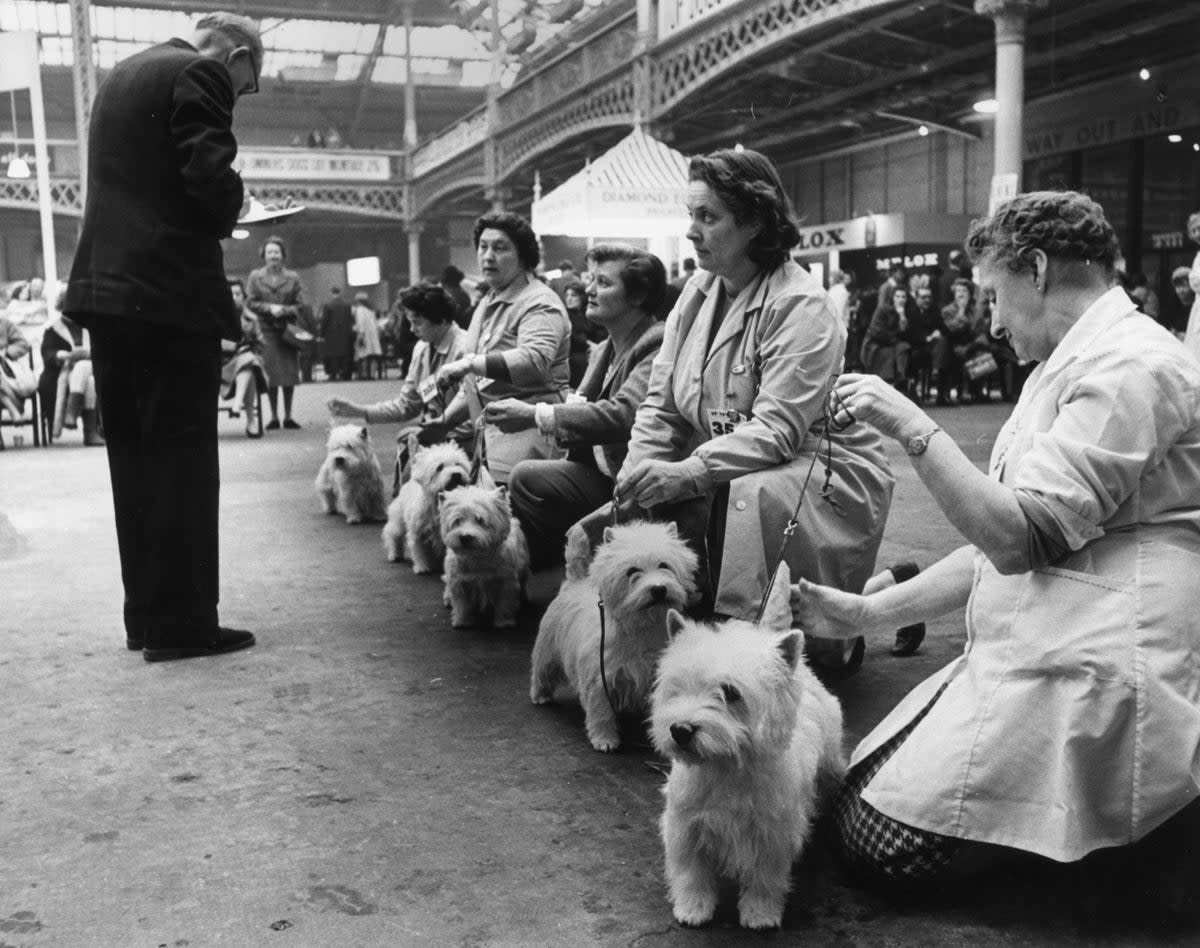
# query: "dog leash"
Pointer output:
{"type": "Point", "coordinates": [615, 518]}
{"type": "Point", "coordinates": [830, 407]}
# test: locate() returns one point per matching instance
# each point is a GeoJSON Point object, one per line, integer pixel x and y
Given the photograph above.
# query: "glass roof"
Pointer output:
{"type": "Point", "coordinates": [300, 49]}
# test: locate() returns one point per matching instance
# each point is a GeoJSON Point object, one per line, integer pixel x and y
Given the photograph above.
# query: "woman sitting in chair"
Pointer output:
{"type": "Point", "coordinates": [13, 347]}
{"type": "Point", "coordinates": [67, 386]}
{"type": "Point", "coordinates": [242, 367]}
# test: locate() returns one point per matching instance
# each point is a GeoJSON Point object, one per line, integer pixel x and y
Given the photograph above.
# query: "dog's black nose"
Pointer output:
{"type": "Point", "coordinates": [682, 734]}
{"type": "Point", "coordinates": [455, 480]}
{"type": "Point", "coordinates": [339, 462]}
{"type": "Point", "coordinates": [467, 540]}
{"type": "Point", "coordinates": [658, 592]}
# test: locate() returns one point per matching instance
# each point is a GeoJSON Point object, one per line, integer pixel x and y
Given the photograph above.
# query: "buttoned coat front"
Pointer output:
{"type": "Point", "coordinates": [1071, 721]}
{"type": "Point", "coordinates": [748, 411]}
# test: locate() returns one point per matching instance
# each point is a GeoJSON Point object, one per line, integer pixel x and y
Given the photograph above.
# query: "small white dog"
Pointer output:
{"type": "Point", "coordinates": [640, 571]}
{"type": "Point", "coordinates": [350, 481]}
{"type": "Point", "coordinates": [487, 559]}
{"type": "Point", "coordinates": [412, 531]}
{"type": "Point", "coordinates": [755, 740]}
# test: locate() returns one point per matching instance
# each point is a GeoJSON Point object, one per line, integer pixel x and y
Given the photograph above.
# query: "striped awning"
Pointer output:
{"type": "Point", "coordinates": [636, 189]}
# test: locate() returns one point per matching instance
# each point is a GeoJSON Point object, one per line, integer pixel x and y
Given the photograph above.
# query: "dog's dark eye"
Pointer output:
{"type": "Point", "coordinates": [440, 466]}
{"type": "Point", "coordinates": [731, 694]}
{"type": "Point", "coordinates": [632, 571]}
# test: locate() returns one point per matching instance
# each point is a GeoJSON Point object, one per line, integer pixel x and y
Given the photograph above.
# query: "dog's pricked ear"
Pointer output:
{"type": "Point", "coordinates": [791, 647]}
{"type": "Point", "coordinates": [675, 623]}
{"type": "Point", "coordinates": [441, 497]}
{"type": "Point", "coordinates": [778, 614]}
{"type": "Point", "coordinates": [365, 433]}
{"type": "Point", "coordinates": [672, 528]}
{"type": "Point", "coordinates": [608, 534]}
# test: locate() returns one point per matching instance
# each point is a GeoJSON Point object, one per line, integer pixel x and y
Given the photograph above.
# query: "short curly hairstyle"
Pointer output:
{"type": "Point", "coordinates": [642, 274]}
{"type": "Point", "coordinates": [518, 231]}
{"type": "Point", "coordinates": [748, 184]}
{"type": "Point", "coordinates": [429, 301]}
{"type": "Point", "coordinates": [1064, 225]}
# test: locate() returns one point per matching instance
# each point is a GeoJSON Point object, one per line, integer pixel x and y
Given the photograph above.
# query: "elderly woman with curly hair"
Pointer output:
{"type": "Point", "coordinates": [517, 346]}
{"type": "Point", "coordinates": [1071, 722]}
{"type": "Point", "coordinates": [725, 439]}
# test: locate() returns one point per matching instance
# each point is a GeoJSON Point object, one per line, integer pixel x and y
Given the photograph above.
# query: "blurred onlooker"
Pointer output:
{"type": "Point", "coordinates": [274, 295]}
{"type": "Point", "coordinates": [67, 388]}
{"type": "Point", "coordinates": [333, 138]}
{"type": "Point", "coordinates": [1146, 298]}
{"type": "Point", "coordinates": [839, 293]}
{"type": "Point", "coordinates": [1191, 337]}
{"type": "Point", "coordinates": [452, 279]}
{"type": "Point", "coordinates": [15, 375]}
{"type": "Point", "coordinates": [337, 336]}
{"type": "Point", "coordinates": [368, 353]}
{"type": "Point", "coordinates": [242, 365]}
{"type": "Point", "coordinates": [575, 300]}
{"type": "Point", "coordinates": [953, 338]}
{"type": "Point", "coordinates": [1177, 306]}
{"type": "Point", "coordinates": [884, 335]}
{"type": "Point", "coordinates": [914, 354]}
{"type": "Point", "coordinates": [686, 271]}
{"type": "Point", "coordinates": [958, 268]}
{"type": "Point", "coordinates": [566, 277]}
{"type": "Point", "coordinates": [316, 139]}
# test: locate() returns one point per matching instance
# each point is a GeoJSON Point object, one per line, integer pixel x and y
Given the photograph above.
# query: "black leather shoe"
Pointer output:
{"type": "Point", "coordinates": [909, 639]}
{"type": "Point", "coordinates": [291, 425]}
{"type": "Point", "coordinates": [226, 640]}
{"type": "Point", "coordinates": [273, 425]}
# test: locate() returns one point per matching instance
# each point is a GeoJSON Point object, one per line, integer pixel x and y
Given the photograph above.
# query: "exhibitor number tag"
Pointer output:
{"type": "Point", "coordinates": [722, 421]}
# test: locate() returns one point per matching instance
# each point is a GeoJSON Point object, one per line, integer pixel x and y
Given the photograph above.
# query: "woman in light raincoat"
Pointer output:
{"type": "Point", "coordinates": [735, 411]}
{"type": "Point", "coordinates": [1071, 722]}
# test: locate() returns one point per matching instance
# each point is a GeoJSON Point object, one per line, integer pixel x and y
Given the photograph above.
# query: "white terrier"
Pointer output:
{"type": "Point", "coordinates": [487, 559]}
{"type": "Point", "coordinates": [755, 740]}
{"type": "Point", "coordinates": [412, 530]}
{"type": "Point", "coordinates": [641, 571]}
{"type": "Point", "coordinates": [350, 480]}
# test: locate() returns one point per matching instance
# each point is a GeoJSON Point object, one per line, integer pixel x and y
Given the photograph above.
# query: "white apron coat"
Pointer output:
{"type": "Point", "coordinates": [747, 411]}
{"type": "Point", "coordinates": [1072, 720]}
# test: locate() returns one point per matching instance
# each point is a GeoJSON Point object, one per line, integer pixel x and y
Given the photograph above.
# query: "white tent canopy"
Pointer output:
{"type": "Point", "coordinates": [637, 189]}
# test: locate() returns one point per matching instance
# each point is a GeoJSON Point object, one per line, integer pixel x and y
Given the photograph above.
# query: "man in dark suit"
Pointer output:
{"type": "Point", "coordinates": [148, 282]}
{"type": "Point", "coordinates": [337, 335]}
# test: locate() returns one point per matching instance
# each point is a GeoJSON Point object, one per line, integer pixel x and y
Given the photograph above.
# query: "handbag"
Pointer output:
{"type": "Point", "coordinates": [300, 339]}
{"type": "Point", "coordinates": [21, 377]}
{"type": "Point", "coordinates": [978, 366]}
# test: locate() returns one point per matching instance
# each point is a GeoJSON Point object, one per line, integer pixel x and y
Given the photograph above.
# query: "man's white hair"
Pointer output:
{"type": "Point", "coordinates": [242, 30]}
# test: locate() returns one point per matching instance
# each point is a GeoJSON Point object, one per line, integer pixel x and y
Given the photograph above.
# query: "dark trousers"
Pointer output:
{"type": "Point", "coordinates": [549, 497]}
{"type": "Point", "coordinates": [155, 388]}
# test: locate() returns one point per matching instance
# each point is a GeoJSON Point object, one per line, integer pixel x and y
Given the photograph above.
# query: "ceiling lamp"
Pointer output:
{"type": "Point", "coordinates": [18, 167]}
{"type": "Point", "coordinates": [987, 106]}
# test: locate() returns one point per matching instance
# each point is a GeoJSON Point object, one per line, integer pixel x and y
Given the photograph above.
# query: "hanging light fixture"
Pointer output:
{"type": "Point", "coordinates": [18, 167]}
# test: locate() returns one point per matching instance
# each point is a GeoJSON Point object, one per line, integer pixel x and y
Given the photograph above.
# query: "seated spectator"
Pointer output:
{"type": "Point", "coordinates": [952, 339]}
{"type": "Point", "coordinates": [452, 280]}
{"type": "Point", "coordinates": [431, 313]}
{"type": "Point", "coordinates": [67, 386]}
{"type": "Point", "coordinates": [242, 374]}
{"type": "Point", "coordinates": [517, 346]}
{"type": "Point", "coordinates": [883, 338]}
{"type": "Point", "coordinates": [625, 290]}
{"type": "Point", "coordinates": [14, 369]}
{"type": "Point", "coordinates": [914, 349]}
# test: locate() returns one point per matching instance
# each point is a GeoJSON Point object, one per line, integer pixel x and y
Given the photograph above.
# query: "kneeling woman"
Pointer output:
{"type": "Point", "coordinates": [735, 411]}
{"type": "Point", "coordinates": [1070, 722]}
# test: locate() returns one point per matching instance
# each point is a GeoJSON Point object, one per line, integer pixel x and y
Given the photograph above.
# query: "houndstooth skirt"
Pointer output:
{"type": "Point", "coordinates": [878, 846]}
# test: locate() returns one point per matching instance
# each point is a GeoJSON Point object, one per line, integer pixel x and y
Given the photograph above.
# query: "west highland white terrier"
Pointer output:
{"type": "Point", "coordinates": [350, 481]}
{"type": "Point", "coordinates": [487, 559]}
{"type": "Point", "coordinates": [755, 741]}
{"type": "Point", "coordinates": [412, 530]}
{"type": "Point", "coordinates": [640, 572]}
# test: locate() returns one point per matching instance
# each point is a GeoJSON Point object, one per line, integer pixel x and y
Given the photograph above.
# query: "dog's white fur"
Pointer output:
{"type": "Point", "coordinates": [754, 739]}
{"type": "Point", "coordinates": [640, 571]}
{"type": "Point", "coordinates": [350, 481]}
{"type": "Point", "coordinates": [487, 559]}
{"type": "Point", "coordinates": [412, 530]}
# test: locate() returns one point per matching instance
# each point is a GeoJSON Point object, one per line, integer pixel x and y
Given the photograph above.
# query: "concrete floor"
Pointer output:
{"type": "Point", "coordinates": [366, 776]}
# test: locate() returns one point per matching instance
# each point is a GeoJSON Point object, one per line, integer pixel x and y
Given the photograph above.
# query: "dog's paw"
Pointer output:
{"type": "Point", "coordinates": [759, 914]}
{"type": "Point", "coordinates": [422, 569]}
{"type": "Point", "coordinates": [605, 744]}
{"type": "Point", "coordinates": [694, 914]}
{"type": "Point", "coordinates": [540, 698]}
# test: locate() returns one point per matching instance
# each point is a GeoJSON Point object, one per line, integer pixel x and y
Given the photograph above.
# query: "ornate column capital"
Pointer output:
{"type": "Point", "coordinates": [1009, 16]}
{"type": "Point", "coordinates": [413, 227]}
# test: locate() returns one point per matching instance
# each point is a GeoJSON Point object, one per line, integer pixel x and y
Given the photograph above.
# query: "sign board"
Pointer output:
{"type": "Point", "coordinates": [315, 165]}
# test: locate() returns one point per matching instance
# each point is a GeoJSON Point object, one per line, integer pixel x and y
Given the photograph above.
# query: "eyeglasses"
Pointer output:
{"type": "Point", "coordinates": [252, 88]}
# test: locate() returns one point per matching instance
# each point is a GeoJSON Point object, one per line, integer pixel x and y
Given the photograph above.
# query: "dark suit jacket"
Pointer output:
{"type": "Point", "coordinates": [613, 392]}
{"type": "Point", "coordinates": [161, 195]}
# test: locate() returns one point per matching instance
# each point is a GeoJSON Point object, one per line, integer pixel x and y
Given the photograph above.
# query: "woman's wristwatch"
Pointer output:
{"type": "Point", "coordinates": [918, 443]}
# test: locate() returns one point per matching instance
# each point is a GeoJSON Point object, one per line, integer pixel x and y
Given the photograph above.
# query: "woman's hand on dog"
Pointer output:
{"type": "Point", "coordinates": [825, 611]}
{"type": "Point", "coordinates": [341, 408]}
{"type": "Point", "coordinates": [432, 432]}
{"type": "Point", "coordinates": [510, 414]}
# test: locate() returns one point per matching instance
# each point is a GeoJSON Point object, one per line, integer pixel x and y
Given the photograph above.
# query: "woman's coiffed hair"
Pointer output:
{"type": "Point", "coordinates": [277, 241]}
{"type": "Point", "coordinates": [642, 274]}
{"type": "Point", "coordinates": [1064, 225]}
{"type": "Point", "coordinates": [429, 301]}
{"type": "Point", "coordinates": [748, 184]}
{"type": "Point", "coordinates": [518, 231]}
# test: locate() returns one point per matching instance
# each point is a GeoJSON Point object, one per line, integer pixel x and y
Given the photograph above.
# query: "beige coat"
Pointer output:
{"type": "Point", "coordinates": [747, 411]}
{"type": "Point", "coordinates": [1072, 720]}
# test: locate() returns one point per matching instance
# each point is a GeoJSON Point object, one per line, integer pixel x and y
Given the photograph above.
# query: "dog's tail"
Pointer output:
{"type": "Point", "coordinates": [578, 555]}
